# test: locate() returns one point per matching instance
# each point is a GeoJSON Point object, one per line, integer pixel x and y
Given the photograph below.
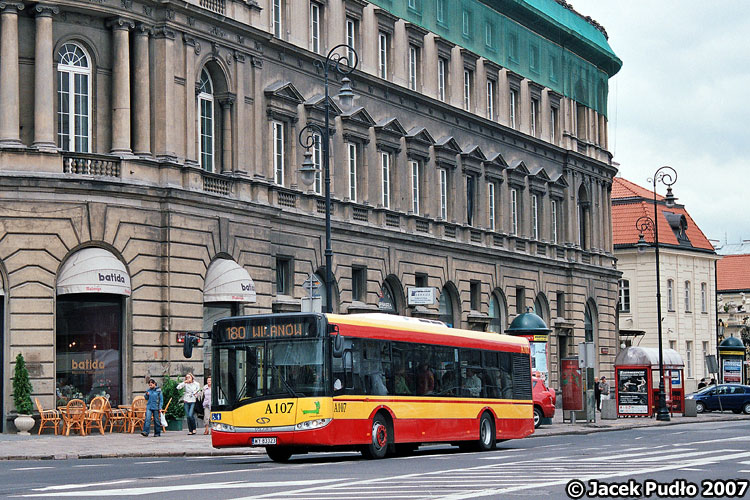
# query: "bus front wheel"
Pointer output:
{"type": "Point", "coordinates": [378, 446]}
{"type": "Point", "coordinates": [279, 453]}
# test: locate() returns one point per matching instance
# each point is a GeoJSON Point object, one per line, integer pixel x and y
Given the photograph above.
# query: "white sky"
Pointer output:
{"type": "Point", "coordinates": [682, 99]}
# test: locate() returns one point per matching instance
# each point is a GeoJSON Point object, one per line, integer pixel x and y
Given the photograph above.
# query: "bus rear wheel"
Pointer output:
{"type": "Point", "coordinates": [279, 453]}
{"type": "Point", "coordinates": [378, 446]}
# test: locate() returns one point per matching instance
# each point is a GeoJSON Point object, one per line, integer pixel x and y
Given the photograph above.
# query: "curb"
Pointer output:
{"type": "Point", "coordinates": [591, 429]}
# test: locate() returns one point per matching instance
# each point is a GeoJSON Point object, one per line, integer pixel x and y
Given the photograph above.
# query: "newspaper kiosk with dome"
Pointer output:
{"type": "Point", "coordinates": [637, 381]}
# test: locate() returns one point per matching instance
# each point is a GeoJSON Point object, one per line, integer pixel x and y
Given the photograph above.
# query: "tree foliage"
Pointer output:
{"type": "Point", "coordinates": [22, 387]}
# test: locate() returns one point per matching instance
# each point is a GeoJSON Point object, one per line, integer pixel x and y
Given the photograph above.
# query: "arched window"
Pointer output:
{"type": "Point", "coordinates": [387, 300]}
{"type": "Point", "coordinates": [588, 323]}
{"type": "Point", "coordinates": [584, 211]}
{"type": "Point", "coordinates": [498, 314]}
{"type": "Point", "coordinates": [446, 310]}
{"type": "Point", "coordinates": [74, 99]}
{"type": "Point", "coordinates": [206, 122]}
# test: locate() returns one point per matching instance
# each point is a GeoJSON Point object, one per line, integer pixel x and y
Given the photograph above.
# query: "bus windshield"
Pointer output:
{"type": "Point", "coordinates": [249, 371]}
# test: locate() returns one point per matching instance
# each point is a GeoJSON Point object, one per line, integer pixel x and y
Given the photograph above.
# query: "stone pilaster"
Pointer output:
{"type": "Point", "coordinates": [10, 135]}
{"type": "Point", "coordinates": [121, 85]}
{"type": "Point", "coordinates": [44, 79]}
{"type": "Point", "coordinates": [226, 133]}
{"type": "Point", "coordinates": [192, 48]}
{"type": "Point", "coordinates": [141, 91]}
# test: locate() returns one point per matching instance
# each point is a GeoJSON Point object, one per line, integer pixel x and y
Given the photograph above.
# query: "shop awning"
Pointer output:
{"type": "Point", "coordinates": [648, 356]}
{"type": "Point", "coordinates": [227, 281]}
{"type": "Point", "coordinates": [93, 270]}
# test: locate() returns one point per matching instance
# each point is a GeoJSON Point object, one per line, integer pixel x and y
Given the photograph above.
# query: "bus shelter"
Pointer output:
{"type": "Point", "coordinates": [637, 381]}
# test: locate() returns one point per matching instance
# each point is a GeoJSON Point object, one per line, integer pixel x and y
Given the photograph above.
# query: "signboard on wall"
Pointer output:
{"type": "Point", "coordinates": [632, 391]}
{"type": "Point", "coordinates": [420, 296]}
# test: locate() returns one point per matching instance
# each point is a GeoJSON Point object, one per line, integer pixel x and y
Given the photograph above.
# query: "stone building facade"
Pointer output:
{"type": "Point", "coordinates": [149, 170]}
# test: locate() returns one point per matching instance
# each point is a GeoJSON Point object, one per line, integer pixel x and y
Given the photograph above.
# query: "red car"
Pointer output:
{"type": "Point", "coordinates": [544, 401]}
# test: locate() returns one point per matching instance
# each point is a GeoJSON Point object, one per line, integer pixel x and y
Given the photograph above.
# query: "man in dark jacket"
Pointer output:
{"type": "Point", "coordinates": [154, 403]}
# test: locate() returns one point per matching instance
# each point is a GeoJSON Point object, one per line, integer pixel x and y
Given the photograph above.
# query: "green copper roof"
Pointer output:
{"type": "Point", "coordinates": [732, 343]}
{"type": "Point", "coordinates": [526, 324]}
{"type": "Point", "coordinates": [538, 39]}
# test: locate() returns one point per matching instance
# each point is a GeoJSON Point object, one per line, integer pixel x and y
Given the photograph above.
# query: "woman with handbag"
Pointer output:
{"type": "Point", "coordinates": [192, 388]}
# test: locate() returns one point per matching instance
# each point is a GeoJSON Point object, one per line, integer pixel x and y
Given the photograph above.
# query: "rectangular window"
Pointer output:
{"type": "Point", "coordinates": [470, 202]}
{"type": "Point", "coordinates": [442, 64]}
{"type": "Point", "coordinates": [488, 34]}
{"type": "Point", "coordinates": [420, 280]}
{"type": "Point", "coordinates": [415, 187]}
{"type": "Point", "coordinates": [514, 211]}
{"type": "Point", "coordinates": [383, 54]}
{"type": "Point", "coordinates": [689, 358]}
{"type": "Point", "coordinates": [512, 112]}
{"type": "Point", "coordinates": [491, 99]}
{"type": "Point", "coordinates": [412, 4]}
{"type": "Point", "coordinates": [352, 149]}
{"type": "Point", "coordinates": [553, 207]}
{"type": "Point", "coordinates": [440, 11]}
{"type": "Point", "coordinates": [704, 298]}
{"type": "Point", "coordinates": [560, 302]}
{"type": "Point", "coordinates": [359, 283]}
{"type": "Point", "coordinates": [705, 361]}
{"type": "Point", "coordinates": [276, 17]}
{"type": "Point", "coordinates": [491, 204]}
{"type": "Point", "coordinates": [467, 89]}
{"type": "Point", "coordinates": [624, 296]}
{"type": "Point", "coordinates": [315, 27]}
{"type": "Point", "coordinates": [688, 297]}
{"type": "Point", "coordinates": [670, 295]}
{"type": "Point", "coordinates": [278, 153]}
{"type": "Point", "coordinates": [554, 112]}
{"type": "Point", "coordinates": [673, 345]}
{"type": "Point", "coordinates": [413, 66]}
{"type": "Point", "coordinates": [283, 275]}
{"type": "Point", "coordinates": [534, 58]}
{"type": "Point", "coordinates": [351, 36]}
{"type": "Point", "coordinates": [535, 216]}
{"type": "Point", "coordinates": [466, 23]}
{"type": "Point", "coordinates": [534, 116]}
{"type": "Point", "coordinates": [385, 164]}
{"type": "Point", "coordinates": [513, 46]}
{"type": "Point", "coordinates": [520, 300]}
{"type": "Point", "coordinates": [318, 161]}
{"type": "Point", "coordinates": [443, 194]}
{"type": "Point", "coordinates": [475, 295]}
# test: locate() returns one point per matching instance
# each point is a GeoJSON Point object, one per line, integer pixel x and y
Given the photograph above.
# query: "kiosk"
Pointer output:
{"type": "Point", "coordinates": [732, 361]}
{"type": "Point", "coordinates": [637, 381]}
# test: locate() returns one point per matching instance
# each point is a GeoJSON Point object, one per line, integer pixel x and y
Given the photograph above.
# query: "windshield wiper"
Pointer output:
{"type": "Point", "coordinates": [286, 384]}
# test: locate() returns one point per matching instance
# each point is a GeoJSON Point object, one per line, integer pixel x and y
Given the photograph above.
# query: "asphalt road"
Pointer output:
{"type": "Point", "coordinates": [532, 468]}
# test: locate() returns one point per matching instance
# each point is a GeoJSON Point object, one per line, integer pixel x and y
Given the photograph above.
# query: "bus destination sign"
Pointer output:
{"type": "Point", "coordinates": [246, 330]}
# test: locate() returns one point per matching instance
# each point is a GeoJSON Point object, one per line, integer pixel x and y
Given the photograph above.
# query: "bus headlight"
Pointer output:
{"type": "Point", "coordinates": [312, 424]}
{"type": "Point", "coordinates": [218, 426]}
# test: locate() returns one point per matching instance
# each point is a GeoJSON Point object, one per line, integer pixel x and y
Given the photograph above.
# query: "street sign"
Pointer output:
{"type": "Point", "coordinates": [312, 286]}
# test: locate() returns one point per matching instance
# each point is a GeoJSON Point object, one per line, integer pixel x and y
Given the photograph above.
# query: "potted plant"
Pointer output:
{"type": "Point", "coordinates": [22, 397]}
{"type": "Point", "coordinates": [176, 411]}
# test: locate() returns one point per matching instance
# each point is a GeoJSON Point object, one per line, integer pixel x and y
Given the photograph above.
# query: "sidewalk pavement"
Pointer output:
{"type": "Point", "coordinates": [178, 443]}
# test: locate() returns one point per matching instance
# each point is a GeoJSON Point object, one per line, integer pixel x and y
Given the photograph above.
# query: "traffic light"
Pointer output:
{"type": "Point", "coordinates": [190, 342]}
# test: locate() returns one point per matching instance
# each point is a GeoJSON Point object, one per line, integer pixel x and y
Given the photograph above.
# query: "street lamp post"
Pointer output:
{"type": "Point", "coordinates": [667, 176]}
{"type": "Point", "coordinates": [344, 64]}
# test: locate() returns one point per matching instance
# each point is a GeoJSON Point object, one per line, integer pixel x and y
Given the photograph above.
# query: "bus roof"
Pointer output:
{"type": "Point", "coordinates": [390, 327]}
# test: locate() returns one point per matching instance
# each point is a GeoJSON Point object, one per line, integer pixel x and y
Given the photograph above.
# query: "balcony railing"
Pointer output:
{"type": "Point", "coordinates": [218, 6]}
{"type": "Point", "coordinates": [91, 164]}
{"type": "Point", "coordinates": [216, 185]}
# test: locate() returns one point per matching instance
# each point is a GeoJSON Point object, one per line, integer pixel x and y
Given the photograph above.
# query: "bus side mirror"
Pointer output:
{"type": "Point", "coordinates": [338, 346]}
{"type": "Point", "coordinates": [187, 347]}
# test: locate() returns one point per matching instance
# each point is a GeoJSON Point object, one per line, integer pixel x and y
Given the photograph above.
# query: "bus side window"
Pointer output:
{"type": "Point", "coordinates": [491, 375]}
{"type": "Point", "coordinates": [506, 375]}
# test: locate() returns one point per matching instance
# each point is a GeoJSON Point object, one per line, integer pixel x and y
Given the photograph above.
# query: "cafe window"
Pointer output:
{"type": "Point", "coordinates": [89, 347]}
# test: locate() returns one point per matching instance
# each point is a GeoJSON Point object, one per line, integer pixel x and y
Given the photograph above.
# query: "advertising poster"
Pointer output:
{"type": "Point", "coordinates": [572, 385]}
{"type": "Point", "coordinates": [632, 391]}
{"type": "Point", "coordinates": [732, 371]}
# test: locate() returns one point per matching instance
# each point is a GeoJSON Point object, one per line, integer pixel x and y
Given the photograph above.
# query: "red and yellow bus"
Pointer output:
{"type": "Point", "coordinates": [377, 383]}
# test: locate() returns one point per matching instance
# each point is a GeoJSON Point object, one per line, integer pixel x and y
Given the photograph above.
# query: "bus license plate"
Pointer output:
{"type": "Point", "coordinates": [263, 441]}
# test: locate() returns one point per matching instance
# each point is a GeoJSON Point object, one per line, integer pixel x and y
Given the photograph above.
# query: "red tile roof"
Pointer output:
{"type": "Point", "coordinates": [733, 273]}
{"type": "Point", "coordinates": [623, 188]}
{"type": "Point", "coordinates": [626, 213]}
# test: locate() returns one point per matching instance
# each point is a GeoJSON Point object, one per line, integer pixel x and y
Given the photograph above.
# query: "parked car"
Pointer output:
{"type": "Point", "coordinates": [544, 401]}
{"type": "Point", "coordinates": [733, 397]}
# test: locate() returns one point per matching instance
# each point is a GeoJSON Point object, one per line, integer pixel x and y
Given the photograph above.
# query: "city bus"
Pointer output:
{"type": "Point", "coordinates": [376, 383]}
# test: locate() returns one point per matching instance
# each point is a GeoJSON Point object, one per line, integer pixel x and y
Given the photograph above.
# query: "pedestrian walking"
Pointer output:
{"type": "Point", "coordinates": [702, 384]}
{"type": "Point", "coordinates": [597, 395]}
{"type": "Point", "coordinates": [207, 406]}
{"type": "Point", "coordinates": [192, 388]}
{"type": "Point", "coordinates": [603, 390]}
{"type": "Point", "coordinates": [154, 404]}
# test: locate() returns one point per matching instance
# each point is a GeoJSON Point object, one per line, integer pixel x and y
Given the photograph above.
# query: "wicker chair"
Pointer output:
{"type": "Point", "coordinates": [73, 416]}
{"type": "Point", "coordinates": [116, 417]}
{"type": "Point", "coordinates": [137, 415]}
{"type": "Point", "coordinates": [51, 417]}
{"type": "Point", "coordinates": [95, 414]}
